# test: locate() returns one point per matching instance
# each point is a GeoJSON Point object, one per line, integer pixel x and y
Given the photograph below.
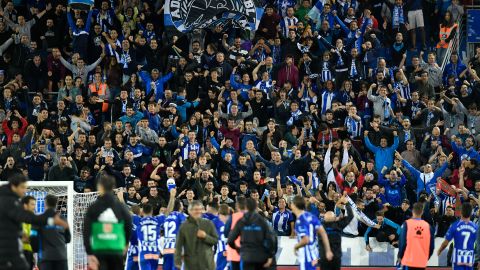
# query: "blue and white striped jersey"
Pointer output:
{"type": "Point", "coordinates": [148, 234]}
{"type": "Point", "coordinates": [307, 225]}
{"type": "Point", "coordinates": [281, 221]}
{"type": "Point", "coordinates": [222, 240]}
{"type": "Point", "coordinates": [463, 235]}
{"type": "Point", "coordinates": [171, 226]}
{"type": "Point", "coordinates": [133, 242]}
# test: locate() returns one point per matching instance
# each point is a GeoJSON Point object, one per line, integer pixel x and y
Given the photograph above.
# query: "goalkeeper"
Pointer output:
{"type": "Point", "coordinates": [12, 214]}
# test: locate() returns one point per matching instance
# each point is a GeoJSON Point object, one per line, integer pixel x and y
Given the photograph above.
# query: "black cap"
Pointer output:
{"type": "Point", "coordinates": [406, 201]}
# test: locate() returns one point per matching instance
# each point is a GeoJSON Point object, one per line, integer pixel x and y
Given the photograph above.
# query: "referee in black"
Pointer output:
{"type": "Point", "coordinates": [12, 215]}
{"type": "Point", "coordinates": [334, 226]}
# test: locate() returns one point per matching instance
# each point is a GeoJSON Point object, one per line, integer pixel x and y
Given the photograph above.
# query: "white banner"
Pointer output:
{"type": "Point", "coordinates": [354, 253]}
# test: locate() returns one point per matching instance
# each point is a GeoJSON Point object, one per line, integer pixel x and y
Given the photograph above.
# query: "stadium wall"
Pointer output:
{"type": "Point", "coordinates": [354, 253]}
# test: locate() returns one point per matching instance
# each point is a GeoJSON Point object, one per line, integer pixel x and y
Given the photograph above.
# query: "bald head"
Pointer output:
{"type": "Point", "coordinates": [329, 216]}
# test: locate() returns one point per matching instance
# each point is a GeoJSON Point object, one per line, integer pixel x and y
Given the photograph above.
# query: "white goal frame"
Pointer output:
{"type": "Point", "coordinates": [70, 198]}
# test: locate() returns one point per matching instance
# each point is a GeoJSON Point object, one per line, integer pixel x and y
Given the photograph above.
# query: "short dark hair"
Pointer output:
{"type": "Point", "coordinates": [176, 205]}
{"type": "Point", "coordinates": [223, 209]}
{"type": "Point", "coordinates": [17, 179]}
{"type": "Point", "coordinates": [107, 182]}
{"type": "Point", "coordinates": [27, 199]}
{"type": "Point", "coordinates": [379, 214]}
{"type": "Point", "coordinates": [51, 201]}
{"type": "Point", "coordinates": [251, 205]}
{"type": "Point", "coordinates": [147, 208]}
{"type": "Point", "coordinates": [213, 204]}
{"type": "Point", "coordinates": [241, 202]}
{"type": "Point", "coordinates": [299, 202]}
{"type": "Point", "coordinates": [466, 210]}
{"type": "Point", "coordinates": [418, 208]}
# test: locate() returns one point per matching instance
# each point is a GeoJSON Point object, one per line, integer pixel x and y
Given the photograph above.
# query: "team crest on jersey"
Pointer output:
{"type": "Point", "coordinates": [107, 228]}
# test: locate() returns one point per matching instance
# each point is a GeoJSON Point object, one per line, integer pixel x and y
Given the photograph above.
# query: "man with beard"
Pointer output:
{"type": "Point", "coordinates": [65, 170]}
{"type": "Point", "coordinates": [35, 164]}
{"type": "Point", "coordinates": [334, 227]}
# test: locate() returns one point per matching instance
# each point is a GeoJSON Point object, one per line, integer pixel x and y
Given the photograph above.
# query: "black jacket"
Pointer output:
{"type": "Point", "coordinates": [334, 232]}
{"type": "Point", "coordinates": [256, 239]}
{"type": "Point", "coordinates": [12, 215]}
{"type": "Point", "coordinates": [103, 203]}
{"type": "Point", "coordinates": [52, 240]}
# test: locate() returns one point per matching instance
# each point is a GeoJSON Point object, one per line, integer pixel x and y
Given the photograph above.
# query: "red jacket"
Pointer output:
{"type": "Point", "coordinates": [344, 186]}
{"type": "Point", "coordinates": [288, 74]}
{"type": "Point", "coordinates": [9, 132]}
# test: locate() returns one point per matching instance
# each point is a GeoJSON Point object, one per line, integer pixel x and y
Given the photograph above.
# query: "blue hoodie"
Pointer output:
{"type": "Point", "coordinates": [383, 156]}
{"type": "Point", "coordinates": [147, 79]}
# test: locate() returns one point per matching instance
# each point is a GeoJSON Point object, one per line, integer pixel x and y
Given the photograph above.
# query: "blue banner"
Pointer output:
{"type": "Point", "coordinates": [473, 26]}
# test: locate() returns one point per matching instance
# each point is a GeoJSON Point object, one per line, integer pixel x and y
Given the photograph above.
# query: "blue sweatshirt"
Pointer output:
{"type": "Point", "coordinates": [393, 191]}
{"type": "Point", "coordinates": [383, 156]}
{"type": "Point", "coordinates": [147, 79]}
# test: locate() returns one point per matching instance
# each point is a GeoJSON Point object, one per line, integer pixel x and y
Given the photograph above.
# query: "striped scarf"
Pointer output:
{"type": "Point", "coordinates": [327, 98]}
{"type": "Point", "coordinates": [326, 72]}
{"type": "Point", "coordinates": [353, 127]}
{"type": "Point", "coordinates": [364, 217]}
{"type": "Point", "coordinates": [398, 16]}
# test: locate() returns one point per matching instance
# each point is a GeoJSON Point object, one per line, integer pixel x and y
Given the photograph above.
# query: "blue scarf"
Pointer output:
{"type": "Point", "coordinates": [398, 16]}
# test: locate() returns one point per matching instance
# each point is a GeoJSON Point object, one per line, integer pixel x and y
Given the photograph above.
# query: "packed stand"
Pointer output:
{"type": "Point", "coordinates": [321, 101]}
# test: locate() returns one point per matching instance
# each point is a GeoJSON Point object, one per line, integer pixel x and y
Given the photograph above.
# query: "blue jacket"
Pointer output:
{"type": "Point", "coordinates": [80, 36]}
{"type": "Point", "coordinates": [182, 108]}
{"type": "Point", "coordinates": [240, 86]}
{"type": "Point", "coordinates": [133, 119]}
{"type": "Point", "coordinates": [153, 120]}
{"type": "Point", "coordinates": [421, 178]}
{"type": "Point", "coordinates": [248, 137]}
{"type": "Point", "coordinates": [393, 191]}
{"type": "Point", "coordinates": [453, 69]}
{"type": "Point", "coordinates": [383, 156]}
{"type": "Point", "coordinates": [147, 79]}
{"type": "Point", "coordinates": [462, 152]}
{"type": "Point", "coordinates": [138, 151]}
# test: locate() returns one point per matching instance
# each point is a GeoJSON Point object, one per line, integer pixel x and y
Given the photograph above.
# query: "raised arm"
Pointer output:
{"type": "Point", "coordinates": [66, 64]}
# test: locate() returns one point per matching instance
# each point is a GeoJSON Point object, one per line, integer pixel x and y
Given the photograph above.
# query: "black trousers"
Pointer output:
{"type": "Point", "coordinates": [334, 264]}
{"type": "Point", "coordinates": [54, 265]}
{"type": "Point", "coordinates": [29, 258]}
{"type": "Point", "coordinates": [14, 263]}
{"type": "Point", "coordinates": [235, 266]}
{"type": "Point", "coordinates": [252, 266]}
{"type": "Point", "coordinates": [109, 262]}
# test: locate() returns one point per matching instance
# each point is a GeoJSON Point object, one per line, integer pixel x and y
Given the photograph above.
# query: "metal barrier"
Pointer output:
{"type": "Point", "coordinates": [453, 45]}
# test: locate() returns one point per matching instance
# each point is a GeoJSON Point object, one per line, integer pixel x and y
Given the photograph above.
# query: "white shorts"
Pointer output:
{"type": "Point", "coordinates": [415, 19]}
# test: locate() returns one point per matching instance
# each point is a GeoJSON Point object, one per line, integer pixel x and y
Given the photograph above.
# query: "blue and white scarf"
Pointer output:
{"type": "Point", "coordinates": [398, 16]}
{"type": "Point", "coordinates": [353, 127]}
{"type": "Point", "coordinates": [364, 217]}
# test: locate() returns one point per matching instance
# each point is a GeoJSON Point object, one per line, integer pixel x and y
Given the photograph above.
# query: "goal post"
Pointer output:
{"type": "Point", "coordinates": [72, 206]}
{"type": "Point", "coordinates": [66, 196]}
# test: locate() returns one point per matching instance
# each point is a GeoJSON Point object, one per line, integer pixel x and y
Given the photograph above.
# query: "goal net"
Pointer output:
{"type": "Point", "coordinates": [72, 206]}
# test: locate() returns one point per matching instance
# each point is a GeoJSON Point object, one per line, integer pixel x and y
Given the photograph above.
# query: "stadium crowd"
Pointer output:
{"type": "Point", "coordinates": [320, 101]}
